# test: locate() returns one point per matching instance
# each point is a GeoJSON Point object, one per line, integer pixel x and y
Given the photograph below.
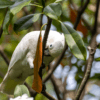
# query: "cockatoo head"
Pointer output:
{"type": "Point", "coordinates": [55, 44]}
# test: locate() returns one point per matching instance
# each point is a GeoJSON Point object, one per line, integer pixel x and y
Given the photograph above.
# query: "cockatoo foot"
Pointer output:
{"type": "Point", "coordinates": [43, 87]}
{"type": "Point", "coordinates": [40, 70]}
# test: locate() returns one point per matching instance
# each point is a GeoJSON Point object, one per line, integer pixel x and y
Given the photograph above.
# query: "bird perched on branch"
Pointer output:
{"type": "Point", "coordinates": [21, 65]}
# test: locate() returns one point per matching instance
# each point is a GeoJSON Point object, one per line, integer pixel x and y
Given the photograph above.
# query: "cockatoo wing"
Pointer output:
{"type": "Point", "coordinates": [19, 67]}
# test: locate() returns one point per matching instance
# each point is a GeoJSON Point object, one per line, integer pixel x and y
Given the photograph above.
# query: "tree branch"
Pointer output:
{"type": "Point", "coordinates": [32, 92]}
{"type": "Point", "coordinates": [88, 70]}
{"type": "Point", "coordinates": [4, 56]}
{"type": "Point", "coordinates": [96, 17]}
{"type": "Point", "coordinates": [64, 84]}
{"type": "Point", "coordinates": [53, 80]}
{"type": "Point", "coordinates": [82, 2]}
{"type": "Point", "coordinates": [55, 65]}
{"type": "Point", "coordinates": [7, 62]}
{"type": "Point", "coordinates": [85, 22]}
{"type": "Point", "coordinates": [5, 59]}
{"type": "Point", "coordinates": [48, 96]}
{"type": "Point", "coordinates": [46, 33]}
{"type": "Point", "coordinates": [80, 11]}
{"type": "Point", "coordinates": [1, 31]}
{"type": "Point", "coordinates": [91, 48]}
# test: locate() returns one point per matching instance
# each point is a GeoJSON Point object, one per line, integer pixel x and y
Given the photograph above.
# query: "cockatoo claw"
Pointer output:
{"type": "Point", "coordinates": [43, 88]}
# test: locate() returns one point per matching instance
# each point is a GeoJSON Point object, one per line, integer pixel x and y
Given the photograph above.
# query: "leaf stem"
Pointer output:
{"type": "Point", "coordinates": [35, 5]}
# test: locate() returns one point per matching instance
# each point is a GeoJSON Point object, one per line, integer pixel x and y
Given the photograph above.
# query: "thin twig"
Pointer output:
{"type": "Point", "coordinates": [4, 55]}
{"type": "Point", "coordinates": [1, 31]}
{"type": "Point", "coordinates": [7, 62]}
{"type": "Point", "coordinates": [32, 92]}
{"type": "Point", "coordinates": [5, 59]}
{"type": "Point", "coordinates": [53, 80]}
{"type": "Point", "coordinates": [96, 17]}
{"type": "Point", "coordinates": [64, 84]}
{"type": "Point", "coordinates": [88, 70]}
{"type": "Point", "coordinates": [55, 65]}
{"type": "Point", "coordinates": [48, 96]}
{"type": "Point", "coordinates": [42, 11]}
{"type": "Point", "coordinates": [82, 2]}
{"type": "Point", "coordinates": [92, 48]}
{"type": "Point", "coordinates": [80, 11]}
{"type": "Point", "coordinates": [87, 24]}
{"type": "Point", "coordinates": [83, 19]}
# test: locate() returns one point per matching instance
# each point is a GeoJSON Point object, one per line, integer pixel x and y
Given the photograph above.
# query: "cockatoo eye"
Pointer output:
{"type": "Point", "coordinates": [50, 46]}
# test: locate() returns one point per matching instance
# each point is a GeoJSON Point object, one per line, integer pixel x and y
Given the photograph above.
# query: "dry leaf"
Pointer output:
{"type": "Point", "coordinates": [10, 28]}
{"type": "Point", "coordinates": [80, 27]}
{"type": "Point", "coordinates": [37, 82]}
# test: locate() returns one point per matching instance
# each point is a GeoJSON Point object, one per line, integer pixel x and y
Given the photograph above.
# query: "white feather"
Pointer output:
{"type": "Point", "coordinates": [21, 64]}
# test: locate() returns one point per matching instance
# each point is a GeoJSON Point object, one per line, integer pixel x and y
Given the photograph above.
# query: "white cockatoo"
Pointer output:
{"type": "Point", "coordinates": [21, 65]}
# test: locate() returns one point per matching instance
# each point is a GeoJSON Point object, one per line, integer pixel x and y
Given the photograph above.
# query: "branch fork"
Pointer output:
{"type": "Point", "coordinates": [91, 50]}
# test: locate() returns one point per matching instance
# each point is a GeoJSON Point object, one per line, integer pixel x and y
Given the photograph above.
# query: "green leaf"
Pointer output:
{"type": "Point", "coordinates": [54, 10]}
{"type": "Point", "coordinates": [23, 23]}
{"type": "Point", "coordinates": [74, 41]}
{"type": "Point", "coordinates": [20, 90]}
{"type": "Point", "coordinates": [5, 3]}
{"type": "Point", "coordinates": [7, 21]}
{"type": "Point", "coordinates": [3, 96]}
{"type": "Point", "coordinates": [36, 17]}
{"type": "Point", "coordinates": [18, 6]}
{"type": "Point", "coordinates": [57, 25]}
{"type": "Point", "coordinates": [96, 76]}
{"type": "Point", "coordinates": [2, 15]}
{"type": "Point", "coordinates": [26, 22]}
{"type": "Point", "coordinates": [97, 59]}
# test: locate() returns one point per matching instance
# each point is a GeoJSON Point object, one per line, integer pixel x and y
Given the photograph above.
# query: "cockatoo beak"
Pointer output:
{"type": "Point", "coordinates": [46, 52]}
